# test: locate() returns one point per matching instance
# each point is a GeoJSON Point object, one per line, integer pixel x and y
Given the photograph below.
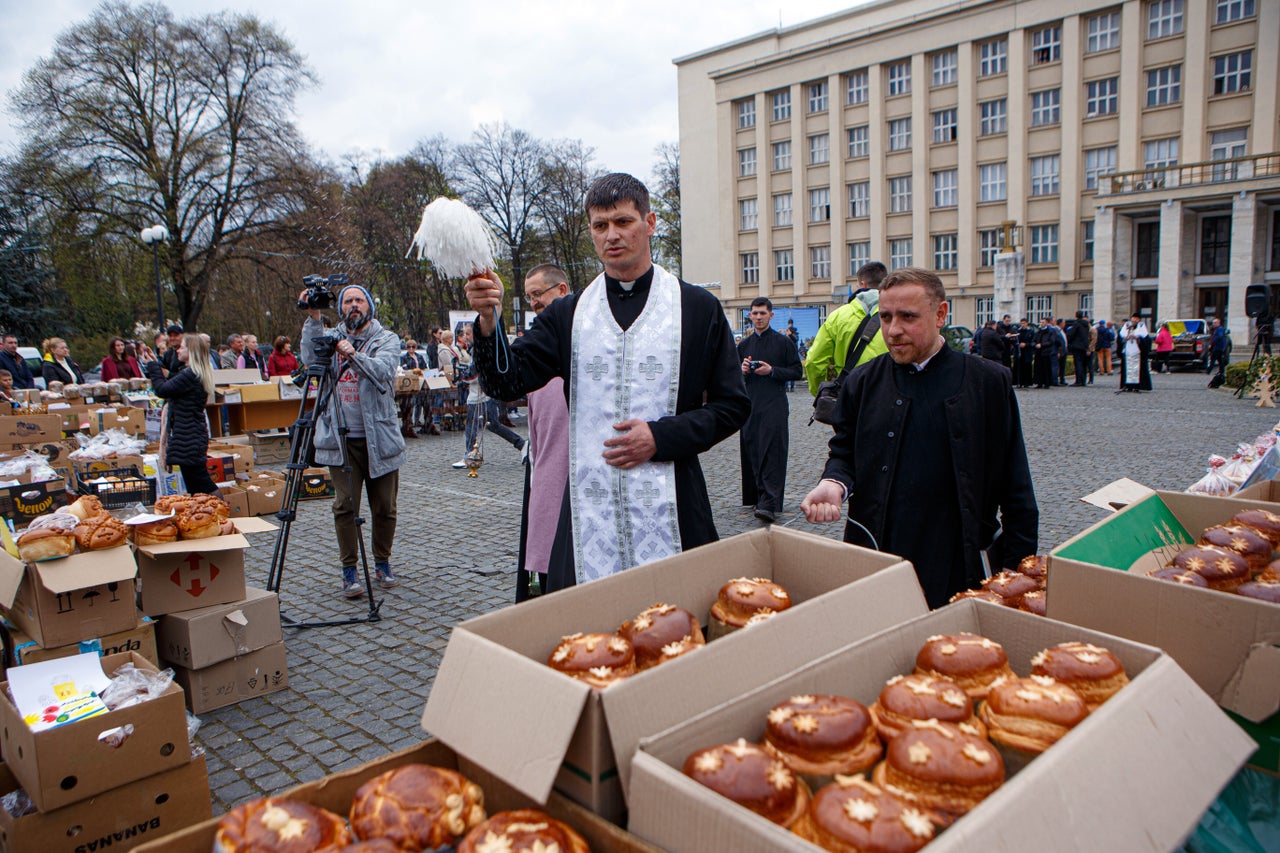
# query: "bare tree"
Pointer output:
{"type": "Point", "coordinates": [568, 171]}
{"type": "Point", "coordinates": [666, 204]}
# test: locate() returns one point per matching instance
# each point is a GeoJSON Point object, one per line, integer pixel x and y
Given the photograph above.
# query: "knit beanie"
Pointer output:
{"type": "Point", "coordinates": [368, 297]}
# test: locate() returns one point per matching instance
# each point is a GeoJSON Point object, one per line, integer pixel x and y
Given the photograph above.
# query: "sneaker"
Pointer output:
{"type": "Point", "coordinates": [351, 587]}
{"type": "Point", "coordinates": [524, 452]}
{"type": "Point", "coordinates": [461, 463]}
{"type": "Point", "coordinates": [384, 576]}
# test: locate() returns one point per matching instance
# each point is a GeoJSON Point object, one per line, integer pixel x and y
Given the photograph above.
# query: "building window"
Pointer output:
{"type": "Point", "coordinates": [1098, 162]}
{"type": "Point", "coordinates": [746, 162]}
{"type": "Point", "coordinates": [1039, 307]}
{"type": "Point", "coordinates": [1046, 107]}
{"type": "Point", "coordinates": [1102, 32]}
{"type": "Point", "coordinates": [748, 214]}
{"type": "Point", "coordinates": [1100, 97]}
{"type": "Point", "coordinates": [1146, 254]}
{"type": "Point", "coordinates": [818, 97]}
{"type": "Point", "coordinates": [1164, 18]}
{"type": "Point", "coordinates": [900, 134]}
{"type": "Point", "coordinates": [781, 156]}
{"type": "Point", "coordinates": [1215, 245]}
{"type": "Point", "coordinates": [899, 253]}
{"type": "Point", "coordinates": [858, 142]}
{"type": "Point", "coordinates": [1086, 304]}
{"type": "Point", "coordinates": [859, 199]}
{"type": "Point", "coordinates": [1164, 86]}
{"type": "Point", "coordinates": [1046, 45]}
{"type": "Point", "coordinates": [1044, 244]}
{"type": "Point", "coordinates": [900, 78]}
{"type": "Point", "coordinates": [1234, 10]}
{"type": "Point", "coordinates": [782, 105]}
{"type": "Point", "coordinates": [944, 188]}
{"type": "Point", "coordinates": [988, 246]}
{"type": "Point", "coordinates": [1226, 145]}
{"type": "Point", "coordinates": [993, 57]}
{"type": "Point", "coordinates": [992, 182]}
{"type": "Point", "coordinates": [784, 265]}
{"type": "Point", "coordinates": [944, 125]}
{"type": "Point", "coordinates": [993, 117]}
{"type": "Point", "coordinates": [820, 204]}
{"type": "Point", "coordinates": [1160, 153]}
{"type": "Point", "coordinates": [746, 113]}
{"type": "Point", "coordinates": [945, 252]}
{"type": "Point", "coordinates": [782, 210]}
{"type": "Point", "coordinates": [859, 254]}
{"type": "Point", "coordinates": [1044, 175]}
{"type": "Point", "coordinates": [1232, 72]}
{"type": "Point", "coordinates": [819, 149]}
{"type": "Point", "coordinates": [1086, 236]}
{"type": "Point", "coordinates": [984, 309]}
{"type": "Point", "coordinates": [750, 267]}
{"type": "Point", "coordinates": [900, 194]}
{"type": "Point", "coordinates": [945, 67]}
{"type": "Point", "coordinates": [819, 262]}
{"type": "Point", "coordinates": [856, 88]}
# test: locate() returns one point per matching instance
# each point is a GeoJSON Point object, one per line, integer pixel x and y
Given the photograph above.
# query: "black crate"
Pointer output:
{"type": "Point", "coordinates": [129, 489]}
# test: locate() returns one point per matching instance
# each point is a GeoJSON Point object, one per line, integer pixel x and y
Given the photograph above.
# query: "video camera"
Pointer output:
{"type": "Point", "coordinates": [322, 291]}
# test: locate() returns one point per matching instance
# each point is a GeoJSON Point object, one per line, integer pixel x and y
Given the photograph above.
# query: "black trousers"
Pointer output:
{"type": "Point", "coordinates": [197, 480]}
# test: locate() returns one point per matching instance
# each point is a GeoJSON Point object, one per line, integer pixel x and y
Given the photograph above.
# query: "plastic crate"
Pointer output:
{"type": "Point", "coordinates": [129, 489]}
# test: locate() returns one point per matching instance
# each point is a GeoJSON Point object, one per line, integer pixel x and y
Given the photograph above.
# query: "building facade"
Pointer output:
{"type": "Point", "coordinates": [1128, 151]}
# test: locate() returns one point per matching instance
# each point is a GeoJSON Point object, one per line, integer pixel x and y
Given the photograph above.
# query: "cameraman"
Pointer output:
{"type": "Point", "coordinates": [364, 362]}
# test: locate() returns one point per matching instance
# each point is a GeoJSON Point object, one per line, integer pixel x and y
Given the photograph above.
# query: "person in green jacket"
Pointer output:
{"type": "Point", "coordinates": [831, 344]}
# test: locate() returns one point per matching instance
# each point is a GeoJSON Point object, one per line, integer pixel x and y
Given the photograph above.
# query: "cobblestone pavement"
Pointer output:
{"type": "Point", "coordinates": [357, 692]}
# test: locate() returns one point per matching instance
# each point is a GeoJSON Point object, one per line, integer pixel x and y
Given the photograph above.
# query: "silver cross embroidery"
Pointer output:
{"type": "Point", "coordinates": [648, 494]}
{"type": "Point", "coordinates": [595, 494]}
{"type": "Point", "coordinates": [650, 368]}
{"type": "Point", "coordinates": [597, 368]}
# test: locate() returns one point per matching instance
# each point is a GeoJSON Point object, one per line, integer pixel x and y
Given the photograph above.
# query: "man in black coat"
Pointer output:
{"type": "Point", "coordinates": [1078, 347]}
{"type": "Point", "coordinates": [769, 362]}
{"type": "Point", "coordinates": [991, 344]}
{"type": "Point", "coordinates": [1024, 360]}
{"type": "Point", "coordinates": [928, 451]}
{"type": "Point", "coordinates": [15, 364]}
{"type": "Point", "coordinates": [1047, 342]}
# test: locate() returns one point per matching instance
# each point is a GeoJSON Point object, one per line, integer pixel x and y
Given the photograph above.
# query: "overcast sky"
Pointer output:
{"type": "Point", "coordinates": [393, 72]}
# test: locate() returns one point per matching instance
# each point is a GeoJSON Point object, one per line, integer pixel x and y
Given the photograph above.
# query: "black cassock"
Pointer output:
{"type": "Point", "coordinates": [763, 440]}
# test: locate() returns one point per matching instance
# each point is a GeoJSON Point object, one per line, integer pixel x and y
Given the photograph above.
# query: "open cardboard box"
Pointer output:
{"type": "Point", "coordinates": [70, 763]}
{"type": "Point", "coordinates": [581, 740]}
{"type": "Point", "coordinates": [1228, 643]}
{"type": "Point", "coordinates": [1267, 490]}
{"type": "Point", "coordinates": [336, 791]}
{"type": "Point", "coordinates": [18, 430]}
{"type": "Point", "coordinates": [1135, 775]}
{"type": "Point", "coordinates": [59, 602]}
{"type": "Point", "coordinates": [191, 573]}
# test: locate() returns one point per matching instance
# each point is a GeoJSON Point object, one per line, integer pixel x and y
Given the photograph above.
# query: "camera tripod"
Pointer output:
{"type": "Point", "coordinates": [322, 377]}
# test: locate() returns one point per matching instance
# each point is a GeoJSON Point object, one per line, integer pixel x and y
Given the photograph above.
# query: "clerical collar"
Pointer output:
{"type": "Point", "coordinates": [628, 289]}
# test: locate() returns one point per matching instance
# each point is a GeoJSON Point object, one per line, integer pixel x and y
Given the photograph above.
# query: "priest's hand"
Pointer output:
{"type": "Point", "coordinates": [632, 446]}
{"type": "Point", "coordinates": [825, 503]}
{"type": "Point", "coordinates": [484, 293]}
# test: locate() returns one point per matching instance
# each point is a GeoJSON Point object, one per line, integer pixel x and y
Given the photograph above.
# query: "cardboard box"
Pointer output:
{"type": "Point", "coordinates": [265, 495]}
{"type": "Point", "coordinates": [69, 763]}
{"type": "Point", "coordinates": [192, 573]}
{"type": "Point", "coordinates": [131, 421]}
{"type": "Point", "coordinates": [23, 503]}
{"type": "Point", "coordinates": [59, 602]}
{"type": "Point", "coordinates": [18, 430]}
{"type": "Point", "coordinates": [586, 737]}
{"type": "Point", "coordinates": [270, 448]}
{"type": "Point", "coordinates": [408, 383]}
{"type": "Point", "coordinates": [336, 791]}
{"type": "Point", "coordinates": [256, 393]}
{"type": "Point", "coordinates": [1135, 775]}
{"type": "Point", "coordinates": [1226, 642]}
{"type": "Point", "coordinates": [222, 468]}
{"type": "Point", "coordinates": [438, 383]}
{"type": "Point", "coordinates": [74, 418]}
{"type": "Point", "coordinates": [1268, 490]}
{"type": "Point", "coordinates": [316, 483]}
{"type": "Point", "coordinates": [235, 376]}
{"type": "Point", "coordinates": [233, 681]}
{"type": "Point", "coordinates": [236, 499]}
{"type": "Point", "coordinates": [21, 649]}
{"type": "Point", "coordinates": [205, 636]}
{"type": "Point", "coordinates": [115, 820]}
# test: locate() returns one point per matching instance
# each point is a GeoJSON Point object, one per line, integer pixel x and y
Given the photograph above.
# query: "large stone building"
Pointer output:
{"type": "Point", "coordinates": [1127, 151]}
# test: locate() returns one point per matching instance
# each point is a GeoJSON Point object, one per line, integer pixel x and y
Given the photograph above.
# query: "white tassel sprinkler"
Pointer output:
{"type": "Point", "coordinates": [459, 243]}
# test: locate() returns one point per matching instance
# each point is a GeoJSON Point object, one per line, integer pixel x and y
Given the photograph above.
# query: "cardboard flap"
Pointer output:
{"type": "Point", "coordinates": [11, 572]}
{"type": "Point", "coordinates": [254, 525]}
{"type": "Point", "coordinates": [1254, 689]}
{"type": "Point", "coordinates": [233, 542]}
{"type": "Point", "coordinates": [538, 730]}
{"type": "Point", "coordinates": [78, 571]}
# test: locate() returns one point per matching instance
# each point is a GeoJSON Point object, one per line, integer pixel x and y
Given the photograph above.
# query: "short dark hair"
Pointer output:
{"type": "Point", "coordinates": [1079, 315]}
{"type": "Point", "coordinates": [872, 274]}
{"type": "Point", "coordinates": [551, 272]}
{"type": "Point", "coordinates": [173, 329]}
{"type": "Point", "coordinates": [762, 300]}
{"type": "Point", "coordinates": [916, 275]}
{"type": "Point", "coordinates": [615, 188]}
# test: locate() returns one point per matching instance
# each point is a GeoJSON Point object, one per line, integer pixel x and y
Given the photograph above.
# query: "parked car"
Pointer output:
{"type": "Point", "coordinates": [959, 338]}
{"type": "Point", "coordinates": [31, 356]}
{"type": "Point", "coordinates": [1191, 343]}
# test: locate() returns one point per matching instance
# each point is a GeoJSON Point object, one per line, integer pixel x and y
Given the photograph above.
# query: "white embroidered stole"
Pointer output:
{"type": "Point", "coordinates": [622, 518]}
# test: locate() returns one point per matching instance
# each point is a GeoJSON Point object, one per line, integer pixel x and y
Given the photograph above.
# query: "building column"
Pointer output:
{"type": "Point", "coordinates": [1112, 259]}
{"type": "Point", "coordinates": [1244, 242]}
{"type": "Point", "coordinates": [1170, 296]}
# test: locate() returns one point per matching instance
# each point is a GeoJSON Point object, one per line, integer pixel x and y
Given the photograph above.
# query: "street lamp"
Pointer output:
{"type": "Point", "coordinates": [153, 237]}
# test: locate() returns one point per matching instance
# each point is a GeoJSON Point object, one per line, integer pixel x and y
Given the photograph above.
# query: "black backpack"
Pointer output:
{"type": "Point", "coordinates": [825, 402]}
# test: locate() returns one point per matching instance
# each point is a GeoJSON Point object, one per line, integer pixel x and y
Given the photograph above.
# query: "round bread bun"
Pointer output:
{"type": "Point", "coordinates": [1035, 566]}
{"type": "Point", "coordinates": [598, 659]}
{"type": "Point", "coordinates": [226, 528]}
{"type": "Point", "coordinates": [1034, 602]}
{"type": "Point", "coordinates": [276, 825]}
{"type": "Point", "coordinates": [940, 767]}
{"type": "Point", "coordinates": [1011, 585]}
{"type": "Point", "coordinates": [1245, 541]}
{"type": "Point", "coordinates": [85, 507]}
{"type": "Point", "coordinates": [742, 598]}
{"type": "Point", "coordinates": [1261, 590]}
{"type": "Point", "coordinates": [752, 778]}
{"type": "Point", "coordinates": [1092, 671]}
{"type": "Point", "coordinates": [198, 523]}
{"type": "Point", "coordinates": [822, 735]}
{"type": "Point", "coordinates": [155, 532]}
{"type": "Point", "coordinates": [1264, 521]}
{"type": "Point", "coordinates": [971, 661]}
{"type": "Point", "coordinates": [981, 595]}
{"type": "Point", "coordinates": [1031, 714]}
{"type": "Point", "coordinates": [417, 806]}
{"type": "Point", "coordinates": [100, 532]}
{"type": "Point", "coordinates": [1177, 575]}
{"type": "Point", "coordinates": [1222, 568]}
{"type": "Point", "coordinates": [523, 831]}
{"type": "Point", "coordinates": [851, 815]}
{"type": "Point", "coordinates": [661, 632]}
{"type": "Point", "coordinates": [173, 503]}
{"type": "Point", "coordinates": [45, 543]}
{"type": "Point", "coordinates": [906, 699]}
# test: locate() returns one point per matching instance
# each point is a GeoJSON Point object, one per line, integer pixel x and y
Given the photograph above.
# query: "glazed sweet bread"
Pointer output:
{"type": "Point", "coordinates": [523, 831]}
{"type": "Point", "coordinates": [1035, 566]}
{"type": "Point", "coordinates": [822, 735]}
{"type": "Point", "coordinates": [906, 699]}
{"type": "Point", "coordinates": [1092, 671]}
{"type": "Point", "coordinates": [742, 598]}
{"type": "Point", "coordinates": [1031, 714]}
{"type": "Point", "coordinates": [752, 778]}
{"type": "Point", "coordinates": [940, 767]}
{"type": "Point", "coordinates": [1261, 590]}
{"type": "Point", "coordinates": [198, 523]}
{"type": "Point", "coordinates": [1034, 602]}
{"type": "Point", "coordinates": [417, 806]}
{"type": "Point", "coordinates": [85, 507]}
{"type": "Point", "coordinates": [851, 815]}
{"type": "Point", "coordinates": [660, 633]}
{"type": "Point", "coordinates": [155, 532]}
{"type": "Point", "coordinates": [100, 532]}
{"type": "Point", "coordinates": [1174, 574]}
{"type": "Point", "coordinates": [275, 825]}
{"type": "Point", "coordinates": [1263, 521]}
{"type": "Point", "coordinates": [1011, 586]}
{"type": "Point", "coordinates": [971, 661]}
{"type": "Point", "coordinates": [45, 543]}
{"type": "Point", "coordinates": [1222, 568]}
{"type": "Point", "coordinates": [1245, 541]}
{"type": "Point", "coordinates": [598, 659]}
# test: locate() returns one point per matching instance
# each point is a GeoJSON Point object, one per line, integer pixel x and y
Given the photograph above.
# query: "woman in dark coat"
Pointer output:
{"type": "Point", "coordinates": [58, 366]}
{"type": "Point", "coordinates": [184, 436]}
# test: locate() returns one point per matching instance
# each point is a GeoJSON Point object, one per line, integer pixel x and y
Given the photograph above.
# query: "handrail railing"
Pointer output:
{"type": "Point", "coordinates": [1192, 174]}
